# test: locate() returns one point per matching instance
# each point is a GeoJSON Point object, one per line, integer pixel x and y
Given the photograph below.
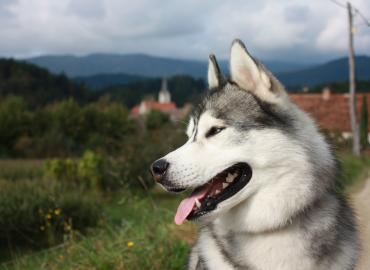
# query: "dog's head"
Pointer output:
{"type": "Point", "coordinates": [246, 150]}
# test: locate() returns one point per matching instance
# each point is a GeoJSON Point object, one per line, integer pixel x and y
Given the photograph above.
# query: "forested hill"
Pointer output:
{"type": "Point", "coordinates": [183, 89]}
{"type": "Point", "coordinates": [333, 71]}
{"type": "Point", "coordinates": [37, 85]}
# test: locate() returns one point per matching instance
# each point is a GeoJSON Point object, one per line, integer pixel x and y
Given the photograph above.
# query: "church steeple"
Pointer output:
{"type": "Point", "coordinates": [164, 85]}
{"type": "Point", "coordinates": [164, 95]}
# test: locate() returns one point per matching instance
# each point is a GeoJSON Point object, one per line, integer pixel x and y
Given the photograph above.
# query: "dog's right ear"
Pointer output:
{"type": "Point", "coordinates": [215, 77]}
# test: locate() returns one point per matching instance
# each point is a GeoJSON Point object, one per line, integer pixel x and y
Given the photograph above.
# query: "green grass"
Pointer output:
{"type": "Point", "coordinates": [136, 233]}
{"type": "Point", "coordinates": [355, 170]}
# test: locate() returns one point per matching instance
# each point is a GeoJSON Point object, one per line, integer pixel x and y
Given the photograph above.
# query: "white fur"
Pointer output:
{"type": "Point", "coordinates": [248, 76]}
{"type": "Point", "coordinates": [213, 80]}
{"type": "Point", "coordinates": [278, 250]}
{"type": "Point", "coordinates": [211, 254]}
{"type": "Point", "coordinates": [262, 204]}
{"type": "Point", "coordinates": [190, 127]}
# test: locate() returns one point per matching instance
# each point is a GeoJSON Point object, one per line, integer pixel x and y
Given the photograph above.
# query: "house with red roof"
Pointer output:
{"type": "Point", "coordinates": [164, 104]}
{"type": "Point", "coordinates": [331, 111]}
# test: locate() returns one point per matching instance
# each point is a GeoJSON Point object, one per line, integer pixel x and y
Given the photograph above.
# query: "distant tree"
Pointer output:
{"type": "Point", "coordinates": [36, 85]}
{"type": "Point", "coordinates": [183, 89]}
{"type": "Point", "coordinates": [340, 87]}
{"type": "Point", "coordinates": [364, 129]}
{"type": "Point", "coordinates": [14, 122]}
{"type": "Point", "coordinates": [156, 119]}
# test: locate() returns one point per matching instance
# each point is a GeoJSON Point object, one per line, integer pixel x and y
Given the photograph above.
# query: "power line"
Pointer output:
{"type": "Point", "coordinates": [356, 10]}
{"type": "Point", "coordinates": [366, 20]}
{"type": "Point", "coordinates": [338, 3]}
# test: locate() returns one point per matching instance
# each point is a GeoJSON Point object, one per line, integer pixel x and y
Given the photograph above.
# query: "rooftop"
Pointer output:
{"type": "Point", "coordinates": [331, 111]}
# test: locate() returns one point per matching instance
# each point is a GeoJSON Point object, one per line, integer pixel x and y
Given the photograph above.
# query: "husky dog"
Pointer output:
{"type": "Point", "coordinates": [263, 178]}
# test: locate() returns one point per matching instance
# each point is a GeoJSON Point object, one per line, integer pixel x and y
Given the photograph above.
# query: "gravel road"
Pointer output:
{"type": "Point", "coordinates": [361, 203]}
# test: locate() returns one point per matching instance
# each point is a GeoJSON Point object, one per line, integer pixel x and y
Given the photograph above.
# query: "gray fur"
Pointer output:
{"type": "Point", "coordinates": [242, 109]}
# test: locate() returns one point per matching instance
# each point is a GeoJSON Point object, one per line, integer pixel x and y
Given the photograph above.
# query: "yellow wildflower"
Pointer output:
{"type": "Point", "coordinates": [48, 216]}
{"type": "Point", "coordinates": [130, 244]}
{"type": "Point", "coordinates": [57, 211]}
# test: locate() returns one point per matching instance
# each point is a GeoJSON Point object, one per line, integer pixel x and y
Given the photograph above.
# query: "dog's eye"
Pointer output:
{"type": "Point", "coordinates": [213, 131]}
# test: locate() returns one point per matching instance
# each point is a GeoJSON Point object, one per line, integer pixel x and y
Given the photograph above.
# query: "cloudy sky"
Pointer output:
{"type": "Point", "coordinates": [293, 30]}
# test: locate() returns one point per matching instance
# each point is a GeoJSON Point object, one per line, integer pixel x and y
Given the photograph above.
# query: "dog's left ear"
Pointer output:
{"type": "Point", "coordinates": [250, 75]}
{"type": "Point", "coordinates": [215, 77]}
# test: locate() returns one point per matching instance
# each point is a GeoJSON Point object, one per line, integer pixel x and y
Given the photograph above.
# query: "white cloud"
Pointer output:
{"type": "Point", "coordinates": [291, 29]}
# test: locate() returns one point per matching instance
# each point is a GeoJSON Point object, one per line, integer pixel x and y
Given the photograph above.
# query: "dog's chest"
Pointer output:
{"type": "Point", "coordinates": [285, 250]}
{"type": "Point", "coordinates": [280, 251]}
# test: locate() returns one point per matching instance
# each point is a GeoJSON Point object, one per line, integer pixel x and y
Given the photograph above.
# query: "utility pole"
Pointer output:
{"type": "Point", "coordinates": [352, 11]}
{"type": "Point", "coordinates": [352, 86]}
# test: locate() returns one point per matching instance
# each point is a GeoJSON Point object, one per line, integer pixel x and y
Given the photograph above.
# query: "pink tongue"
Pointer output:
{"type": "Point", "coordinates": [187, 205]}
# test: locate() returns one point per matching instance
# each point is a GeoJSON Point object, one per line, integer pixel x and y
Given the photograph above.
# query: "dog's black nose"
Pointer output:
{"type": "Point", "coordinates": [159, 168]}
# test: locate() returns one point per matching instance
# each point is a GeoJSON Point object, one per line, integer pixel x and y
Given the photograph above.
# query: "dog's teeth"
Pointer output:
{"type": "Point", "coordinates": [224, 185]}
{"type": "Point", "coordinates": [197, 203]}
{"type": "Point", "coordinates": [231, 177]}
{"type": "Point", "coordinates": [217, 191]}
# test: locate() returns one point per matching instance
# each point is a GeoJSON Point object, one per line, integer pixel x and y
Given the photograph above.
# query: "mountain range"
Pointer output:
{"type": "Point", "coordinates": [333, 71]}
{"type": "Point", "coordinates": [102, 70]}
{"type": "Point", "coordinates": [137, 64]}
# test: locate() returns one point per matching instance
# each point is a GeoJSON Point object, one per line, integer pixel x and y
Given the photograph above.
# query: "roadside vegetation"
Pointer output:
{"type": "Point", "coordinates": [76, 191]}
{"type": "Point", "coordinates": [355, 170]}
{"type": "Point", "coordinates": [75, 186]}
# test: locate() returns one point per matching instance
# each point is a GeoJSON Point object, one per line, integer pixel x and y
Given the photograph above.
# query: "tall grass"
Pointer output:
{"type": "Point", "coordinates": [15, 169]}
{"type": "Point", "coordinates": [138, 233]}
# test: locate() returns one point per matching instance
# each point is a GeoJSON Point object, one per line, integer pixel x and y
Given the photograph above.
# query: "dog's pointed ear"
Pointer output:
{"type": "Point", "coordinates": [215, 77]}
{"type": "Point", "coordinates": [249, 74]}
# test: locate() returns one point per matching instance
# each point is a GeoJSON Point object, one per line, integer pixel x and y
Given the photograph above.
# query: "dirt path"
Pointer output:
{"type": "Point", "coordinates": [361, 203]}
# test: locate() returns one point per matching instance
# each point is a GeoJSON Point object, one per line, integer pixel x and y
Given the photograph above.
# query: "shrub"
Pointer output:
{"type": "Point", "coordinates": [336, 139]}
{"type": "Point", "coordinates": [141, 151]}
{"type": "Point", "coordinates": [156, 119]}
{"type": "Point", "coordinates": [354, 169]}
{"type": "Point", "coordinates": [62, 129]}
{"type": "Point", "coordinates": [92, 171]}
{"type": "Point", "coordinates": [14, 120]}
{"type": "Point", "coordinates": [43, 211]}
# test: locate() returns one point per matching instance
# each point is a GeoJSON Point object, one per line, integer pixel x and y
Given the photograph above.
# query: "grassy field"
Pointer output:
{"type": "Point", "coordinates": [136, 230]}
{"type": "Point", "coordinates": [11, 169]}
